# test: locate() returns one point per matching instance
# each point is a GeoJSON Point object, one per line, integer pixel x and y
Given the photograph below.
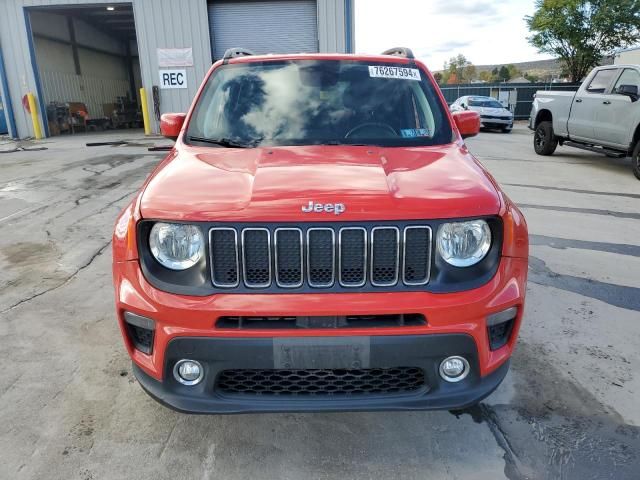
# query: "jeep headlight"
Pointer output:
{"type": "Point", "coordinates": [176, 246]}
{"type": "Point", "coordinates": [463, 244]}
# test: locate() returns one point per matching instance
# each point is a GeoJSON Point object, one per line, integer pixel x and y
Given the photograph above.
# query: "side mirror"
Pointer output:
{"type": "Point", "coordinates": [630, 91]}
{"type": "Point", "coordinates": [468, 123]}
{"type": "Point", "coordinates": [171, 124]}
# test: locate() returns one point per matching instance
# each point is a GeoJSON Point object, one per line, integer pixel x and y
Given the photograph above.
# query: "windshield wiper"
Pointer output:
{"type": "Point", "coordinates": [226, 142]}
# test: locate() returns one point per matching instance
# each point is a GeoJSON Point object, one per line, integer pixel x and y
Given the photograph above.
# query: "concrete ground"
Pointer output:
{"type": "Point", "coordinates": [70, 409]}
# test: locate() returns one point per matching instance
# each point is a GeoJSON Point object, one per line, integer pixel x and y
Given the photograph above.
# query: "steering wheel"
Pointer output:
{"type": "Point", "coordinates": [383, 128]}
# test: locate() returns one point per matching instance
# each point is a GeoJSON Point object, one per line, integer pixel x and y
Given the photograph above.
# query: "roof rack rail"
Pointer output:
{"type": "Point", "coordinates": [399, 52]}
{"type": "Point", "coordinates": [237, 52]}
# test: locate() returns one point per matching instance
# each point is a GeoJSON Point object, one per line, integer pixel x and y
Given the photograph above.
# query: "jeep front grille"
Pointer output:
{"type": "Point", "coordinates": [318, 257]}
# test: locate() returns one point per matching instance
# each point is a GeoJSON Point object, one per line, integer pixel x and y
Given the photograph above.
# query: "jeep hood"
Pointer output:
{"type": "Point", "coordinates": [272, 184]}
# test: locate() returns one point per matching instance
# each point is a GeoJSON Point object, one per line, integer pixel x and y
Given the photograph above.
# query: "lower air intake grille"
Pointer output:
{"type": "Point", "coordinates": [141, 337]}
{"type": "Point", "coordinates": [347, 321]}
{"type": "Point", "coordinates": [338, 382]}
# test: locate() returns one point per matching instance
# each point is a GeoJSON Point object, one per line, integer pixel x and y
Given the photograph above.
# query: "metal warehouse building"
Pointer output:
{"type": "Point", "coordinates": [85, 61]}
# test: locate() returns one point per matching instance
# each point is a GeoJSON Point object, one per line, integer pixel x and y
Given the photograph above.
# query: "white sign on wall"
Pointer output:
{"type": "Point", "coordinates": [175, 57]}
{"type": "Point", "coordinates": [173, 79]}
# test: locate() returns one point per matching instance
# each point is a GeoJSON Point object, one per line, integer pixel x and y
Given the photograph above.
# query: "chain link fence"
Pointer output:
{"type": "Point", "coordinates": [517, 96]}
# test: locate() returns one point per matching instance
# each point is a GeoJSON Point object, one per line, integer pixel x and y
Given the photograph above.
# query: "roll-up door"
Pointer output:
{"type": "Point", "coordinates": [285, 26]}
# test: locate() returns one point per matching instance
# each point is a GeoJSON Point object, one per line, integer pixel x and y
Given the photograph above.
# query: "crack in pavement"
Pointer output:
{"type": "Point", "coordinates": [61, 284]}
{"type": "Point", "coordinates": [483, 413]}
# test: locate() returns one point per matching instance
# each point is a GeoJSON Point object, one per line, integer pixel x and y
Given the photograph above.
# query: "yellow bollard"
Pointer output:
{"type": "Point", "coordinates": [145, 111]}
{"type": "Point", "coordinates": [34, 116]}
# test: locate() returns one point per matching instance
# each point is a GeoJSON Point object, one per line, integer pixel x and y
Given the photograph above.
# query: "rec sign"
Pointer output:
{"type": "Point", "coordinates": [173, 79]}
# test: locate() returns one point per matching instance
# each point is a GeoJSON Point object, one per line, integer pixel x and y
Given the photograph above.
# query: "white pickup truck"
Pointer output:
{"type": "Point", "coordinates": [602, 116]}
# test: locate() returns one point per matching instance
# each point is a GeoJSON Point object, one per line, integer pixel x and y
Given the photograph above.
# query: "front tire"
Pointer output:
{"type": "Point", "coordinates": [506, 129]}
{"type": "Point", "coordinates": [544, 140]}
{"type": "Point", "coordinates": [635, 160]}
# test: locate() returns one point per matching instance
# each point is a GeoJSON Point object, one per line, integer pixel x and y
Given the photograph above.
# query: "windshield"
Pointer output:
{"type": "Point", "coordinates": [485, 102]}
{"type": "Point", "coordinates": [319, 102]}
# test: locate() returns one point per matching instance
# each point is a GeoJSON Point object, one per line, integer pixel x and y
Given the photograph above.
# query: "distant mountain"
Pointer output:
{"type": "Point", "coordinates": [537, 67]}
{"type": "Point", "coordinates": [541, 68]}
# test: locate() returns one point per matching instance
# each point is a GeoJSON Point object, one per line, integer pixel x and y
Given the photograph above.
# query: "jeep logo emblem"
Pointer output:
{"type": "Point", "coordinates": [335, 208]}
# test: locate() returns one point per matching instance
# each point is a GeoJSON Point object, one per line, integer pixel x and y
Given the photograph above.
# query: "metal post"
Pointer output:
{"type": "Point", "coordinates": [34, 116]}
{"type": "Point", "coordinates": [145, 111]}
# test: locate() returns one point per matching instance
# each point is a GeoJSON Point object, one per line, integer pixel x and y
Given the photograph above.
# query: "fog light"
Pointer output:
{"type": "Point", "coordinates": [188, 372]}
{"type": "Point", "coordinates": [454, 369]}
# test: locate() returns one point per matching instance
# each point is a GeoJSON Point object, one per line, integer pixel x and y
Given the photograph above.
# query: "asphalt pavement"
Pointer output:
{"type": "Point", "coordinates": [70, 408]}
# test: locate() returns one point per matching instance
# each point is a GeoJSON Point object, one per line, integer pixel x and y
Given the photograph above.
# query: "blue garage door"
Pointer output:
{"type": "Point", "coordinates": [286, 26]}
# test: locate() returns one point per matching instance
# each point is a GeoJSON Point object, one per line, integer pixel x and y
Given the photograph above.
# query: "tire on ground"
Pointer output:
{"type": "Point", "coordinates": [544, 140]}
{"type": "Point", "coordinates": [635, 160]}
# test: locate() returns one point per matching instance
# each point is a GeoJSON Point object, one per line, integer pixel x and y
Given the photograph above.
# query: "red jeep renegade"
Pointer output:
{"type": "Point", "coordinates": [318, 239]}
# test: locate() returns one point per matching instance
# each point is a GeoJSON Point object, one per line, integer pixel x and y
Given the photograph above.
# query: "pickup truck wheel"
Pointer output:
{"type": "Point", "coordinates": [544, 141]}
{"type": "Point", "coordinates": [635, 161]}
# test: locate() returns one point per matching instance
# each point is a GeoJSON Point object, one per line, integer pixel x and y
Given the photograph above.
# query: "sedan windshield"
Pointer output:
{"type": "Point", "coordinates": [323, 102]}
{"type": "Point", "coordinates": [485, 102]}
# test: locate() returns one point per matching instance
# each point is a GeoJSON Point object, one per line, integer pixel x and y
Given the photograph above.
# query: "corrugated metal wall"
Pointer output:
{"type": "Point", "coordinates": [172, 24]}
{"type": "Point", "coordinates": [332, 33]}
{"type": "Point", "coordinates": [159, 24]}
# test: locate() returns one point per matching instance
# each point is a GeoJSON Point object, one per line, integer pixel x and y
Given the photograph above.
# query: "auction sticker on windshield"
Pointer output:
{"type": "Point", "coordinates": [385, 71]}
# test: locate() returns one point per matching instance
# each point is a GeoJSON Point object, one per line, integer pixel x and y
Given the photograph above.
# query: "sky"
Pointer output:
{"type": "Point", "coordinates": [484, 31]}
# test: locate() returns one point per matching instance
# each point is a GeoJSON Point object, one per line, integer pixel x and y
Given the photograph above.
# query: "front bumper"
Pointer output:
{"type": "Point", "coordinates": [421, 351]}
{"type": "Point", "coordinates": [496, 122]}
{"type": "Point", "coordinates": [183, 320]}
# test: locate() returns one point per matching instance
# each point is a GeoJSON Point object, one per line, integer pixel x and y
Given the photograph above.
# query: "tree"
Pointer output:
{"type": "Point", "coordinates": [469, 73]}
{"type": "Point", "coordinates": [486, 76]}
{"type": "Point", "coordinates": [458, 70]}
{"type": "Point", "coordinates": [581, 32]}
{"type": "Point", "coordinates": [504, 74]}
{"type": "Point", "coordinates": [513, 72]}
{"type": "Point", "coordinates": [532, 77]}
{"type": "Point", "coordinates": [438, 77]}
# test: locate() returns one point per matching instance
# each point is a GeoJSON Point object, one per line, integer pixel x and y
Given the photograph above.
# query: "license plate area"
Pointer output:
{"type": "Point", "coordinates": [321, 352]}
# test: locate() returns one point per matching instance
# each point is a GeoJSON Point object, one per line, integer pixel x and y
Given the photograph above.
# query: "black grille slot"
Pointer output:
{"type": "Point", "coordinates": [353, 256]}
{"type": "Point", "coordinates": [294, 322]}
{"type": "Point", "coordinates": [256, 257]}
{"type": "Point", "coordinates": [321, 257]}
{"type": "Point", "coordinates": [224, 257]}
{"type": "Point", "coordinates": [288, 257]}
{"type": "Point", "coordinates": [417, 255]}
{"type": "Point", "coordinates": [384, 256]}
{"type": "Point", "coordinates": [141, 331]}
{"type": "Point", "coordinates": [499, 334]}
{"type": "Point", "coordinates": [326, 382]}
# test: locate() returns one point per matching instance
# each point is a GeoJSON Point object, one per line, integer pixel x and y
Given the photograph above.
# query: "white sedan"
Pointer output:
{"type": "Point", "coordinates": [492, 113]}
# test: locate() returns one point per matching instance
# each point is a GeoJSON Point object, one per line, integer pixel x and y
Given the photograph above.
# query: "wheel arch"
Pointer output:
{"type": "Point", "coordinates": [635, 139]}
{"type": "Point", "coordinates": [543, 116]}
